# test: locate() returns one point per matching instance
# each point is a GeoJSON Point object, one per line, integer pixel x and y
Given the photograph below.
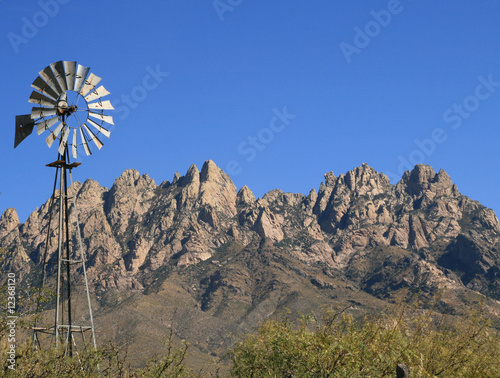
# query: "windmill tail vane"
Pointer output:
{"type": "Point", "coordinates": [69, 106]}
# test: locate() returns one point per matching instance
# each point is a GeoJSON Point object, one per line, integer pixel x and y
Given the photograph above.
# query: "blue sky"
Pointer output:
{"type": "Point", "coordinates": [276, 93]}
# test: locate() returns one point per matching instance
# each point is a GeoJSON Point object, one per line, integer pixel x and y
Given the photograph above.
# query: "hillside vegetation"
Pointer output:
{"type": "Point", "coordinates": [335, 345]}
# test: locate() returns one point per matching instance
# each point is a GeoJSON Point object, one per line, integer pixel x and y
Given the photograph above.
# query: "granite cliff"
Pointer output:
{"type": "Point", "coordinates": [197, 255]}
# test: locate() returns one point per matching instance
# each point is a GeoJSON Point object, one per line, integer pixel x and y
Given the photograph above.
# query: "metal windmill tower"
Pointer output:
{"type": "Point", "coordinates": [70, 108]}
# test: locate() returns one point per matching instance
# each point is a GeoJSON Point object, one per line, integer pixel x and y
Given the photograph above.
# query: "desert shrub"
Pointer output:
{"type": "Point", "coordinates": [170, 365]}
{"type": "Point", "coordinates": [339, 346]}
{"type": "Point", "coordinates": [106, 361]}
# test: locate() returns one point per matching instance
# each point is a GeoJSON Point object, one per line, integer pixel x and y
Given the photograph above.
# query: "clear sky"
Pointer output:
{"type": "Point", "coordinates": [277, 93]}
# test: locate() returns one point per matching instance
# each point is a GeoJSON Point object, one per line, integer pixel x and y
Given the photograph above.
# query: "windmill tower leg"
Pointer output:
{"type": "Point", "coordinates": [68, 258]}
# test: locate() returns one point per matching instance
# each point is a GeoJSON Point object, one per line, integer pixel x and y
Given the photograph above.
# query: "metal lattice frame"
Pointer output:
{"type": "Point", "coordinates": [68, 256]}
{"type": "Point", "coordinates": [71, 109]}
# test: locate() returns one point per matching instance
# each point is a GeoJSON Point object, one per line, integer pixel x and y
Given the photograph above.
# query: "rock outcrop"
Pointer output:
{"type": "Point", "coordinates": [16, 258]}
{"type": "Point", "coordinates": [136, 227]}
{"type": "Point", "coordinates": [234, 260]}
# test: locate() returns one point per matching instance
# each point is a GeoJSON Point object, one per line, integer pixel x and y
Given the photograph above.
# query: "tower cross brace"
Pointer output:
{"type": "Point", "coordinates": [68, 259]}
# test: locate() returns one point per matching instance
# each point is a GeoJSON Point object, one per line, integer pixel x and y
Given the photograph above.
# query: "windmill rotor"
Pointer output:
{"type": "Point", "coordinates": [69, 106]}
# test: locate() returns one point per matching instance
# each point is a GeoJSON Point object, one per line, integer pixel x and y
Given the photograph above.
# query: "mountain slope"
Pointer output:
{"type": "Point", "coordinates": [209, 261]}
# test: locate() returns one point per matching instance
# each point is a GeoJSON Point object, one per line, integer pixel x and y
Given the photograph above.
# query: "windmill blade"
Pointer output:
{"type": "Point", "coordinates": [73, 146]}
{"type": "Point", "coordinates": [90, 84]}
{"type": "Point", "coordinates": [40, 99]}
{"type": "Point", "coordinates": [97, 93]}
{"type": "Point", "coordinates": [93, 137]}
{"type": "Point", "coordinates": [102, 117]}
{"type": "Point", "coordinates": [81, 75]}
{"type": "Point", "coordinates": [58, 70]}
{"type": "Point", "coordinates": [64, 141]}
{"type": "Point", "coordinates": [85, 144]}
{"type": "Point", "coordinates": [44, 88]}
{"type": "Point", "coordinates": [49, 77]}
{"type": "Point", "coordinates": [24, 127]}
{"type": "Point", "coordinates": [45, 125]}
{"type": "Point", "coordinates": [63, 97]}
{"type": "Point", "coordinates": [54, 135]}
{"type": "Point", "coordinates": [70, 73]}
{"type": "Point", "coordinates": [42, 112]}
{"type": "Point", "coordinates": [101, 129]}
{"type": "Point", "coordinates": [101, 105]}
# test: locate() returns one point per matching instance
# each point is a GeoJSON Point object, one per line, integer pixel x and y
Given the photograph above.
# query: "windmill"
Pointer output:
{"type": "Point", "coordinates": [70, 107]}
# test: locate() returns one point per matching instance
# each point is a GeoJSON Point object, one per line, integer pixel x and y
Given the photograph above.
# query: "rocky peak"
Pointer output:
{"type": "Point", "coordinates": [176, 178]}
{"type": "Point", "coordinates": [128, 198]}
{"type": "Point", "coordinates": [310, 200]}
{"type": "Point", "coordinates": [210, 172]}
{"type": "Point", "coordinates": [90, 195]}
{"type": "Point", "coordinates": [8, 221]}
{"type": "Point", "coordinates": [128, 178]}
{"type": "Point", "coordinates": [275, 195]}
{"type": "Point", "coordinates": [192, 176]}
{"type": "Point", "coordinates": [245, 197]}
{"type": "Point", "coordinates": [329, 179]}
{"type": "Point", "coordinates": [419, 179]}
{"type": "Point", "coordinates": [365, 179]}
{"type": "Point", "coordinates": [356, 182]}
{"type": "Point", "coordinates": [217, 189]}
{"type": "Point", "coordinates": [335, 201]}
{"type": "Point", "coordinates": [423, 178]}
{"type": "Point", "coordinates": [190, 184]}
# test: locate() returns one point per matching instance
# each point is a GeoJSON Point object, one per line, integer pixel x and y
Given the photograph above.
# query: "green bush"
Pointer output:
{"type": "Point", "coordinates": [339, 346]}
{"type": "Point", "coordinates": [334, 346]}
{"type": "Point", "coordinates": [106, 361]}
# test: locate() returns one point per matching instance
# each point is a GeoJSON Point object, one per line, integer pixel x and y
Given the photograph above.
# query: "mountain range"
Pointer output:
{"type": "Point", "coordinates": [211, 262]}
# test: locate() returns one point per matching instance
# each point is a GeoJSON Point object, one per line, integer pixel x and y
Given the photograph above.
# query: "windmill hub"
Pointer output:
{"type": "Point", "coordinates": [64, 109]}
